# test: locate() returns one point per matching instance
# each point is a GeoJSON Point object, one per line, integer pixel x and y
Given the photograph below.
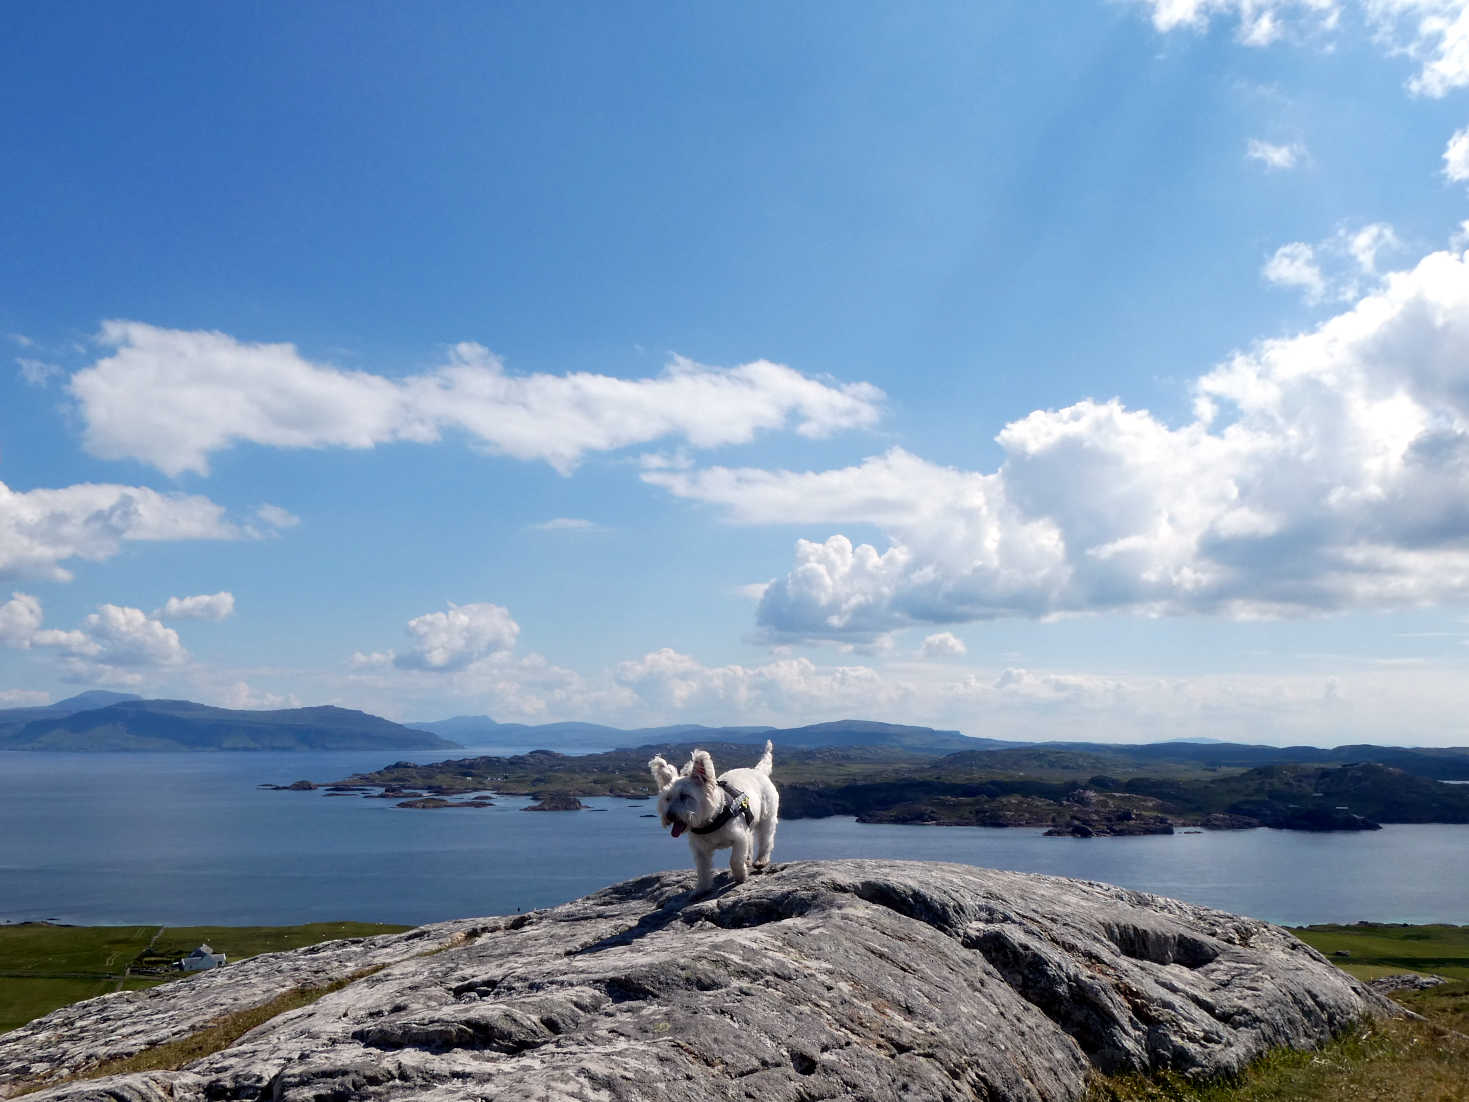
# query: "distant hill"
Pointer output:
{"type": "Point", "coordinates": [13, 719]}
{"type": "Point", "coordinates": [131, 723]}
{"type": "Point", "coordinates": [1449, 763]}
{"type": "Point", "coordinates": [484, 732]}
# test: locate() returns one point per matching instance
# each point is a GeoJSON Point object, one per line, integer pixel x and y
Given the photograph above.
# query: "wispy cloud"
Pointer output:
{"type": "Point", "coordinates": [37, 372]}
{"type": "Point", "coordinates": [1278, 158]}
{"type": "Point", "coordinates": [1339, 268]}
{"type": "Point", "coordinates": [172, 398]}
{"type": "Point", "coordinates": [40, 530]}
{"type": "Point", "coordinates": [203, 606]}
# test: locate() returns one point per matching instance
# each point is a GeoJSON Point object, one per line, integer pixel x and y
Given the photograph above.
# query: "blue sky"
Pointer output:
{"type": "Point", "coordinates": [1045, 370]}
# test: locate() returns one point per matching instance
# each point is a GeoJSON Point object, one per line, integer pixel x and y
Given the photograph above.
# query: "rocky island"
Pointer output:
{"type": "Point", "coordinates": [873, 979]}
{"type": "Point", "coordinates": [1060, 791]}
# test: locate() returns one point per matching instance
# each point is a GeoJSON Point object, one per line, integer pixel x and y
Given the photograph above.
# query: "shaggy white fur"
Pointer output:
{"type": "Point", "coordinates": [693, 798]}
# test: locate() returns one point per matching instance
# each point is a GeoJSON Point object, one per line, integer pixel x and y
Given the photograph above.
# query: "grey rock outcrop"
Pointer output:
{"type": "Point", "coordinates": [1406, 981]}
{"type": "Point", "coordinates": [871, 979]}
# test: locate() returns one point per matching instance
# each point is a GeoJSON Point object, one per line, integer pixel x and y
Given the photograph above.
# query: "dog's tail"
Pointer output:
{"type": "Point", "coordinates": [765, 762]}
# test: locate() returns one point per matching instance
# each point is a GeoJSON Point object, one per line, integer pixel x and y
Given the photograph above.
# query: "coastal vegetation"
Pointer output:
{"type": "Point", "coordinates": [1409, 1060]}
{"type": "Point", "coordinates": [45, 966]}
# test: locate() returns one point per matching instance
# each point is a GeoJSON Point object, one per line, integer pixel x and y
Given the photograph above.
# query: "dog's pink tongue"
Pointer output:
{"type": "Point", "coordinates": [678, 828]}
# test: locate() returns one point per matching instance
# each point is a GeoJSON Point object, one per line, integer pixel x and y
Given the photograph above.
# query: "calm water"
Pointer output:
{"type": "Point", "coordinates": [188, 839]}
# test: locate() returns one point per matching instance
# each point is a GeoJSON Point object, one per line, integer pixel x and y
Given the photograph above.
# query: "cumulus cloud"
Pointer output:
{"type": "Point", "coordinates": [943, 644]}
{"type": "Point", "coordinates": [1275, 158]}
{"type": "Point", "coordinates": [1323, 471]}
{"type": "Point", "coordinates": [42, 529]}
{"type": "Point", "coordinates": [204, 606]}
{"type": "Point", "coordinates": [171, 398]}
{"type": "Point", "coordinates": [114, 645]}
{"type": "Point", "coordinates": [452, 640]}
{"type": "Point", "coordinates": [20, 618]}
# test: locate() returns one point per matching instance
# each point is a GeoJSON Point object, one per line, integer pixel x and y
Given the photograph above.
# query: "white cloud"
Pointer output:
{"type": "Point", "coordinates": [452, 640]}
{"type": "Point", "coordinates": [276, 517]}
{"type": "Point", "coordinates": [41, 529]}
{"type": "Point", "coordinates": [37, 372]}
{"type": "Point", "coordinates": [1339, 268]}
{"type": "Point", "coordinates": [242, 695]}
{"type": "Point", "coordinates": [203, 606]}
{"type": "Point", "coordinates": [1364, 244]}
{"type": "Point", "coordinates": [1278, 158]}
{"type": "Point", "coordinates": [370, 660]}
{"type": "Point", "coordinates": [667, 681]}
{"type": "Point", "coordinates": [1260, 22]}
{"type": "Point", "coordinates": [20, 618]}
{"type": "Point", "coordinates": [1294, 265]}
{"type": "Point", "coordinates": [1324, 471]}
{"type": "Point", "coordinates": [1434, 34]}
{"type": "Point", "coordinates": [23, 698]}
{"type": "Point", "coordinates": [943, 644]}
{"type": "Point", "coordinates": [114, 644]}
{"type": "Point", "coordinates": [171, 398]}
{"type": "Point", "coordinates": [1456, 156]}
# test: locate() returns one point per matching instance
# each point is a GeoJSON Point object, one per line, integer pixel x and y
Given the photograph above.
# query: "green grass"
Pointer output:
{"type": "Point", "coordinates": [1394, 1061]}
{"type": "Point", "coordinates": [24, 999]}
{"type": "Point", "coordinates": [39, 949]}
{"type": "Point", "coordinates": [1380, 949]}
{"type": "Point", "coordinates": [216, 1035]}
{"type": "Point", "coordinates": [43, 967]}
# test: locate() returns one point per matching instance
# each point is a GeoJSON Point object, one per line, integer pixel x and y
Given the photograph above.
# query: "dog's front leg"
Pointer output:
{"type": "Point", "coordinates": [704, 863]}
{"type": "Point", "coordinates": [739, 857]}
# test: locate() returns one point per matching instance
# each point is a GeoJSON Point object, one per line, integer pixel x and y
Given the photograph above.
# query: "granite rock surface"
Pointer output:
{"type": "Point", "coordinates": [833, 979]}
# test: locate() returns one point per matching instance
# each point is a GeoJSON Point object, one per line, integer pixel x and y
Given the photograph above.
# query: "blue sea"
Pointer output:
{"type": "Point", "coordinates": [185, 839]}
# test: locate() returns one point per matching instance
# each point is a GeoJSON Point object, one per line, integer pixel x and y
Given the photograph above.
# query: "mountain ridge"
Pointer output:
{"type": "Point", "coordinates": [183, 725]}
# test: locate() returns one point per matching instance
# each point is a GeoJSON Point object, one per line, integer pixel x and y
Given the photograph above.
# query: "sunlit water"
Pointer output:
{"type": "Point", "coordinates": [188, 839]}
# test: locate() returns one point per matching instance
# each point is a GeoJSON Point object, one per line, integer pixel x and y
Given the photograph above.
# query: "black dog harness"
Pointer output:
{"type": "Point", "coordinates": [737, 803]}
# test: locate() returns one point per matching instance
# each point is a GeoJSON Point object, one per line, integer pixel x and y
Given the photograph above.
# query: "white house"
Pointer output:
{"type": "Point", "coordinates": [201, 958]}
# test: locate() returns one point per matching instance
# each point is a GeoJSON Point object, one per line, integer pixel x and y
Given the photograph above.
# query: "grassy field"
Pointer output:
{"type": "Point", "coordinates": [43, 967]}
{"type": "Point", "coordinates": [1381, 949]}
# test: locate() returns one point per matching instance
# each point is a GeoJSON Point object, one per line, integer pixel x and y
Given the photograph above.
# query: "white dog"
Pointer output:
{"type": "Point", "coordinates": [725, 812]}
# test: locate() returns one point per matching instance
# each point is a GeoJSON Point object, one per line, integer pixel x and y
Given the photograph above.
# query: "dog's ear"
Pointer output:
{"type": "Point", "coordinates": [701, 768]}
{"type": "Point", "coordinates": [688, 767]}
{"type": "Point", "coordinates": [663, 773]}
